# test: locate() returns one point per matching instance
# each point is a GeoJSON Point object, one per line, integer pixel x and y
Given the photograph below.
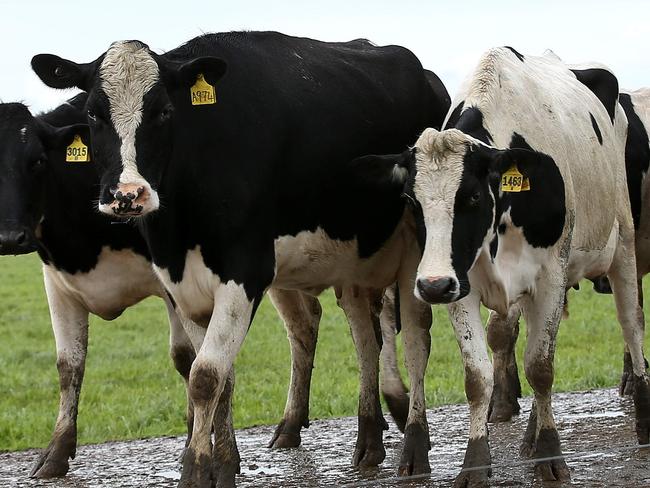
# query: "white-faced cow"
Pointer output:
{"type": "Point", "coordinates": [503, 331]}
{"type": "Point", "coordinates": [505, 198]}
{"type": "Point", "coordinates": [47, 189]}
{"type": "Point", "coordinates": [232, 152]}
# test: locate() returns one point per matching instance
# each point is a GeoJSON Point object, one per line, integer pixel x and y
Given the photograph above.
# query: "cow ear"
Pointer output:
{"type": "Point", "coordinates": [57, 72]}
{"type": "Point", "coordinates": [186, 74]}
{"type": "Point", "coordinates": [61, 137]}
{"type": "Point", "coordinates": [501, 160]}
{"type": "Point", "coordinates": [386, 170]}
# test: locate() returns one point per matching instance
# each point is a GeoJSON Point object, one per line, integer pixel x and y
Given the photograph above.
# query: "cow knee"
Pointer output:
{"type": "Point", "coordinates": [204, 384]}
{"type": "Point", "coordinates": [539, 373]}
{"type": "Point", "coordinates": [478, 384]}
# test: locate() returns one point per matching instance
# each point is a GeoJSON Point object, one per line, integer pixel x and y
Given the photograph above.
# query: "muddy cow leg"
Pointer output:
{"type": "Point", "coordinates": [225, 455]}
{"type": "Point", "coordinates": [502, 333]}
{"type": "Point", "coordinates": [626, 387]}
{"type": "Point", "coordinates": [301, 316]}
{"type": "Point", "coordinates": [70, 325]}
{"type": "Point", "coordinates": [542, 321]}
{"type": "Point", "coordinates": [416, 324]}
{"type": "Point", "coordinates": [182, 352]}
{"type": "Point", "coordinates": [466, 319]}
{"type": "Point", "coordinates": [357, 303]}
{"type": "Point", "coordinates": [231, 317]}
{"type": "Point", "coordinates": [630, 316]}
{"type": "Point", "coordinates": [391, 384]}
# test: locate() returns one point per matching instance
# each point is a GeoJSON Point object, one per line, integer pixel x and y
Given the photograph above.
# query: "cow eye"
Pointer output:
{"type": "Point", "coordinates": [38, 164]}
{"type": "Point", "coordinates": [165, 113]}
{"type": "Point", "coordinates": [91, 115]}
{"type": "Point", "coordinates": [475, 197]}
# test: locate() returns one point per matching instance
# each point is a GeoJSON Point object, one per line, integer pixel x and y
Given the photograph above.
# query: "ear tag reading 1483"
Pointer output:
{"type": "Point", "coordinates": [202, 92]}
{"type": "Point", "coordinates": [513, 181]}
{"type": "Point", "coordinates": [77, 152]}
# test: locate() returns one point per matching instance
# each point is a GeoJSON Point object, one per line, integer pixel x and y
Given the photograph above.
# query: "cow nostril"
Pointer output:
{"type": "Point", "coordinates": [437, 288]}
{"type": "Point", "coordinates": [20, 238]}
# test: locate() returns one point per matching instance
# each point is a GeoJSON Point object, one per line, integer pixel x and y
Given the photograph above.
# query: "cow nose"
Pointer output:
{"type": "Point", "coordinates": [14, 242]}
{"type": "Point", "coordinates": [127, 197]}
{"type": "Point", "coordinates": [437, 289]}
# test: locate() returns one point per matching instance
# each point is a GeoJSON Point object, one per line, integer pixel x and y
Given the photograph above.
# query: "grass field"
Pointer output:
{"type": "Point", "coordinates": [131, 389]}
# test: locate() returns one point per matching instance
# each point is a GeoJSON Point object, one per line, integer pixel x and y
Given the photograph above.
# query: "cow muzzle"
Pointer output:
{"type": "Point", "coordinates": [437, 289]}
{"type": "Point", "coordinates": [131, 200]}
{"type": "Point", "coordinates": [14, 242]}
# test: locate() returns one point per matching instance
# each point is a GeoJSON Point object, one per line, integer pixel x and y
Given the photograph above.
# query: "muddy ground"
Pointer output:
{"type": "Point", "coordinates": [596, 429]}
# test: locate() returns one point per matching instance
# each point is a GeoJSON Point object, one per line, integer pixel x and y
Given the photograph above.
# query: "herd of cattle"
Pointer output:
{"type": "Point", "coordinates": [248, 163]}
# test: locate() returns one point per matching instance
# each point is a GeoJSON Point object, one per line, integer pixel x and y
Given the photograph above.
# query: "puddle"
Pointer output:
{"type": "Point", "coordinates": [597, 422]}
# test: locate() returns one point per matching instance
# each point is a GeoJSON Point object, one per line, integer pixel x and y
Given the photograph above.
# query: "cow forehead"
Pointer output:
{"type": "Point", "coordinates": [128, 71]}
{"type": "Point", "coordinates": [439, 162]}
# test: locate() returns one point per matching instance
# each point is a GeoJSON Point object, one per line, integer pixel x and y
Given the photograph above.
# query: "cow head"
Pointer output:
{"type": "Point", "coordinates": [452, 182]}
{"type": "Point", "coordinates": [132, 97]}
{"type": "Point", "coordinates": [27, 146]}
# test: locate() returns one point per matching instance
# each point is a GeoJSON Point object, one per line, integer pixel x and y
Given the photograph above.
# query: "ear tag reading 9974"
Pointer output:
{"type": "Point", "coordinates": [202, 92]}
{"type": "Point", "coordinates": [77, 152]}
{"type": "Point", "coordinates": [513, 181]}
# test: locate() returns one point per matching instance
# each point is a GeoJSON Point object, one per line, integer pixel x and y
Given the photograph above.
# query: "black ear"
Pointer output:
{"type": "Point", "coordinates": [503, 159]}
{"type": "Point", "coordinates": [61, 137]}
{"type": "Point", "coordinates": [185, 74]}
{"type": "Point", "coordinates": [386, 170]}
{"type": "Point", "coordinates": [57, 72]}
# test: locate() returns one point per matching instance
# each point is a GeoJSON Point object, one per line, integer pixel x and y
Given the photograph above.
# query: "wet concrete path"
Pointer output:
{"type": "Point", "coordinates": [597, 422]}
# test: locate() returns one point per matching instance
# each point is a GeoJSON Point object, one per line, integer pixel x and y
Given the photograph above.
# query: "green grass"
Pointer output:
{"type": "Point", "coordinates": [131, 389]}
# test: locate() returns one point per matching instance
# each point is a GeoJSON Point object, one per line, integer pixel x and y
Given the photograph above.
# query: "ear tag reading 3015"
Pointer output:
{"type": "Point", "coordinates": [513, 181]}
{"type": "Point", "coordinates": [202, 92]}
{"type": "Point", "coordinates": [77, 152]}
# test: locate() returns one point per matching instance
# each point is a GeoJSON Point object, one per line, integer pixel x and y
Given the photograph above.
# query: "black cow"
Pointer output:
{"type": "Point", "coordinates": [47, 206]}
{"type": "Point", "coordinates": [233, 152]}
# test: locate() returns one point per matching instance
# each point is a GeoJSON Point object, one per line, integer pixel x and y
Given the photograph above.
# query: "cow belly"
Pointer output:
{"type": "Point", "coordinates": [119, 280]}
{"type": "Point", "coordinates": [591, 263]}
{"type": "Point", "coordinates": [312, 261]}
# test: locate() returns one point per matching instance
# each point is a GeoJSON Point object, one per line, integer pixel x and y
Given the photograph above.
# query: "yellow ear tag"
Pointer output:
{"type": "Point", "coordinates": [77, 152]}
{"type": "Point", "coordinates": [513, 181]}
{"type": "Point", "coordinates": [202, 92]}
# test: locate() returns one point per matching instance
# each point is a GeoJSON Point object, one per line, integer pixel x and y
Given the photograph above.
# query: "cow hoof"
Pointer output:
{"type": "Point", "coordinates": [398, 406]}
{"type": "Point", "coordinates": [197, 471]}
{"type": "Point", "coordinates": [472, 479]}
{"type": "Point", "coordinates": [369, 450]}
{"type": "Point", "coordinates": [47, 467]}
{"type": "Point", "coordinates": [555, 470]}
{"type": "Point", "coordinates": [642, 408]}
{"type": "Point", "coordinates": [53, 461]}
{"type": "Point", "coordinates": [286, 435]}
{"type": "Point", "coordinates": [503, 411]}
{"type": "Point", "coordinates": [415, 454]}
{"type": "Point", "coordinates": [224, 475]}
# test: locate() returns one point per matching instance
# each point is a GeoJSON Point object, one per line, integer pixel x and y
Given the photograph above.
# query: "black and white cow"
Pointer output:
{"type": "Point", "coordinates": [503, 331]}
{"type": "Point", "coordinates": [233, 152]}
{"type": "Point", "coordinates": [47, 205]}
{"type": "Point", "coordinates": [505, 202]}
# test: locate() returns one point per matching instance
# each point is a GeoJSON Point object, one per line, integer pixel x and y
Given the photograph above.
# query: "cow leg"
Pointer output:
{"type": "Point", "coordinates": [358, 305]}
{"type": "Point", "coordinates": [182, 352]}
{"type": "Point", "coordinates": [466, 319]}
{"type": "Point", "coordinates": [622, 276]}
{"type": "Point", "coordinates": [225, 455]}
{"type": "Point", "coordinates": [416, 321]}
{"type": "Point", "coordinates": [626, 387]}
{"type": "Point", "coordinates": [502, 333]}
{"type": "Point", "coordinates": [301, 316]}
{"type": "Point", "coordinates": [542, 320]}
{"type": "Point", "coordinates": [231, 317]}
{"type": "Point", "coordinates": [391, 384]}
{"type": "Point", "coordinates": [70, 325]}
